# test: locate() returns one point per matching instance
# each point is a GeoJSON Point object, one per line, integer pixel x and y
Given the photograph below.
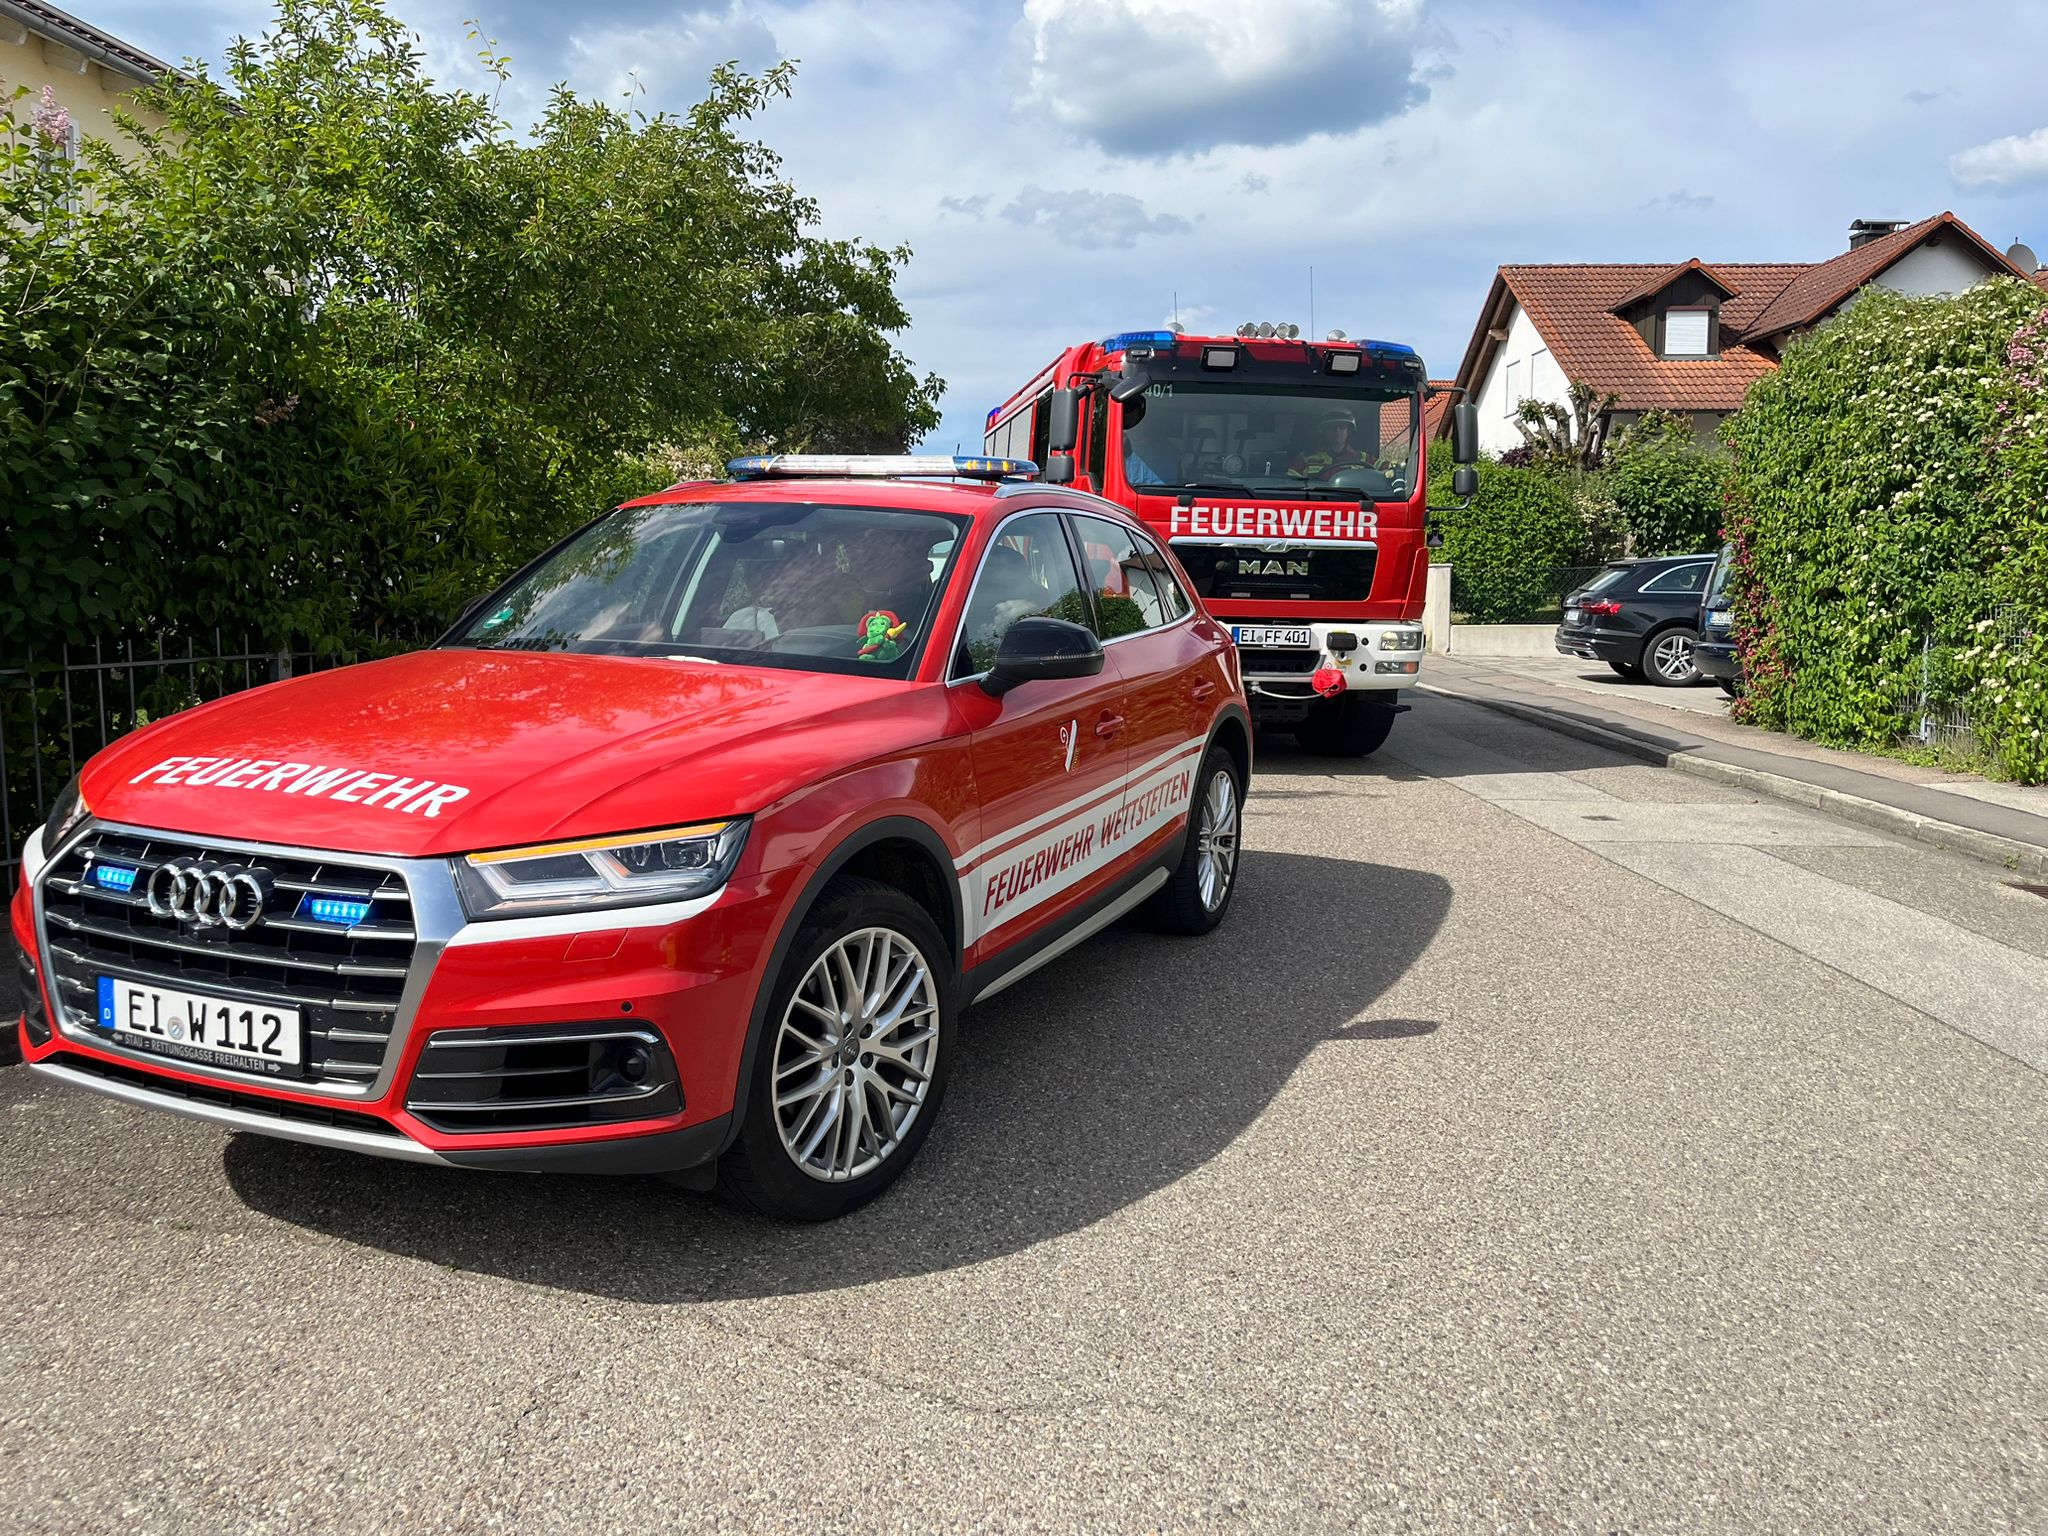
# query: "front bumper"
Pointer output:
{"type": "Point", "coordinates": [1279, 679]}
{"type": "Point", "coordinates": [475, 994]}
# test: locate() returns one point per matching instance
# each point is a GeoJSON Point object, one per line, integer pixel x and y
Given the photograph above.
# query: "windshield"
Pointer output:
{"type": "Point", "coordinates": [820, 588]}
{"type": "Point", "coordinates": [1272, 439]}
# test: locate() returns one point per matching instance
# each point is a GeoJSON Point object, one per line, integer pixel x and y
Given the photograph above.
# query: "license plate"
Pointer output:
{"type": "Point", "coordinates": [1272, 635]}
{"type": "Point", "coordinates": [1573, 616]}
{"type": "Point", "coordinates": [215, 1031]}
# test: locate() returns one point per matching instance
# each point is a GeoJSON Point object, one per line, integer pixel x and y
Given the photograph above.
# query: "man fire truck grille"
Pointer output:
{"type": "Point", "coordinates": [1293, 572]}
{"type": "Point", "coordinates": [329, 938]}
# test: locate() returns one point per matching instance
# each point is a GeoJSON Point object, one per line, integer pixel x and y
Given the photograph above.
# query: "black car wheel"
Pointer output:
{"type": "Point", "coordinates": [1668, 659]}
{"type": "Point", "coordinates": [1627, 669]}
{"type": "Point", "coordinates": [853, 1065]}
{"type": "Point", "coordinates": [1729, 687]}
{"type": "Point", "coordinates": [1198, 893]}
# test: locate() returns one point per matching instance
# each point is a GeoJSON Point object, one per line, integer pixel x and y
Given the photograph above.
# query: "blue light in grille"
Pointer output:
{"type": "Point", "coordinates": [337, 910]}
{"type": "Point", "coordinates": [113, 877]}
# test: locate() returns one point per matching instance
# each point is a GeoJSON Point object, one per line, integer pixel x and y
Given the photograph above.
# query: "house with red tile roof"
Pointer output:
{"type": "Point", "coordinates": [1691, 336]}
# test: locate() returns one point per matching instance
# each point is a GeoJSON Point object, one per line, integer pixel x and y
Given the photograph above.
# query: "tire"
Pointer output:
{"type": "Point", "coordinates": [809, 1160]}
{"type": "Point", "coordinates": [1348, 727]}
{"type": "Point", "coordinates": [1198, 892]}
{"type": "Point", "coordinates": [1728, 687]}
{"type": "Point", "coordinates": [1627, 669]}
{"type": "Point", "coordinates": [1667, 657]}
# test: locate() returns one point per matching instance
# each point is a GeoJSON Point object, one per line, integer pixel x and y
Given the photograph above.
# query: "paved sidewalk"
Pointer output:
{"type": "Point", "coordinates": [1687, 730]}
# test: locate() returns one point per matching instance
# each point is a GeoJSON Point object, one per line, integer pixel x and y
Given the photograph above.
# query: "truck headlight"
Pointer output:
{"type": "Point", "coordinates": [1400, 639]}
{"type": "Point", "coordinates": [598, 872]}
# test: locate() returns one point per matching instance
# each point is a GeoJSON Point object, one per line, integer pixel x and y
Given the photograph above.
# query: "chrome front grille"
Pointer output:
{"type": "Point", "coordinates": [348, 982]}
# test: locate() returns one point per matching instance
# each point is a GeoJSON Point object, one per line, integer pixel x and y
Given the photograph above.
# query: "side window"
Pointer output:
{"type": "Point", "coordinates": [1096, 424]}
{"type": "Point", "coordinates": [1028, 572]}
{"type": "Point", "coordinates": [1177, 603]}
{"type": "Point", "coordinates": [1127, 598]}
{"type": "Point", "coordinates": [1685, 578]}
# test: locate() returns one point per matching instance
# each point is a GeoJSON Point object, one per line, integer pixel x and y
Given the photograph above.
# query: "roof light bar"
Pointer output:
{"type": "Point", "coordinates": [876, 466]}
{"type": "Point", "coordinates": [1123, 341]}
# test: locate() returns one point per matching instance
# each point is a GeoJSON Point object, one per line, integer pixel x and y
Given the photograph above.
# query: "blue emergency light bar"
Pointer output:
{"type": "Point", "coordinates": [1123, 341]}
{"type": "Point", "coordinates": [1400, 348]}
{"type": "Point", "coordinates": [340, 911]}
{"type": "Point", "coordinates": [876, 466]}
{"type": "Point", "coordinates": [114, 877]}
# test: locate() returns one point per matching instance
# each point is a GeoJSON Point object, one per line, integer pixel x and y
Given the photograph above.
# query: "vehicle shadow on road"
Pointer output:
{"type": "Point", "coordinates": [1097, 1082]}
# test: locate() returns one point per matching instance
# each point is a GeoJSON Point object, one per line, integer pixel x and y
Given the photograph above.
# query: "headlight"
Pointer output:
{"type": "Point", "coordinates": [597, 872]}
{"type": "Point", "coordinates": [66, 812]}
{"type": "Point", "coordinates": [1401, 640]}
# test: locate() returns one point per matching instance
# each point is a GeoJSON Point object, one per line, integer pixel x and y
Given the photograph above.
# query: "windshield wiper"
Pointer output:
{"type": "Point", "coordinates": [1347, 493]}
{"type": "Point", "coordinates": [1227, 487]}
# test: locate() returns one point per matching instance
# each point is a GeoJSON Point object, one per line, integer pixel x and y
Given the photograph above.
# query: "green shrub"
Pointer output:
{"type": "Point", "coordinates": [1511, 549]}
{"type": "Point", "coordinates": [1669, 497]}
{"type": "Point", "coordinates": [1887, 505]}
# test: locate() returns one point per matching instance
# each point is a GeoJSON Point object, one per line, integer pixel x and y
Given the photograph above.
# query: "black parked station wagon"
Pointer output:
{"type": "Point", "coordinates": [1640, 617]}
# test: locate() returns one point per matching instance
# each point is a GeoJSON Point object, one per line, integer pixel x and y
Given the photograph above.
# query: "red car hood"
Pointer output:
{"type": "Point", "coordinates": [448, 751]}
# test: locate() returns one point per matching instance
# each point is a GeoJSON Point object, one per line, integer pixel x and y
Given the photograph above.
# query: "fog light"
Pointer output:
{"type": "Point", "coordinates": [1396, 666]}
{"type": "Point", "coordinates": [635, 1062]}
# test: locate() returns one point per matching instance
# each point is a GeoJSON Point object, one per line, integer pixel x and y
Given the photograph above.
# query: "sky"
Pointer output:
{"type": "Point", "coordinates": [1064, 169]}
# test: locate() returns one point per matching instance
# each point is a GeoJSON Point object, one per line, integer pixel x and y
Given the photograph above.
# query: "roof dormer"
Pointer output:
{"type": "Point", "coordinates": [1678, 312]}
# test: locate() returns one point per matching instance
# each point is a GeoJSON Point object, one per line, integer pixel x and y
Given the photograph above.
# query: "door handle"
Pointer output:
{"type": "Point", "coordinates": [1204, 692]}
{"type": "Point", "coordinates": [1109, 725]}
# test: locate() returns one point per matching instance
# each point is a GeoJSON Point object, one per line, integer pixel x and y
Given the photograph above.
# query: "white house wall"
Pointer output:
{"type": "Point", "coordinates": [1926, 270]}
{"type": "Point", "coordinates": [1537, 377]}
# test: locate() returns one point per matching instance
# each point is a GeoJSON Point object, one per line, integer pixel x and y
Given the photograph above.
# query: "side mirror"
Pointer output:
{"type": "Point", "coordinates": [1034, 650]}
{"type": "Point", "coordinates": [1058, 469]}
{"type": "Point", "coordinates": [1464, 480]}
{"type": "Point", "coordinates": [1063, 420]}
{"type": "Point", "coordinates": [1465, 435]}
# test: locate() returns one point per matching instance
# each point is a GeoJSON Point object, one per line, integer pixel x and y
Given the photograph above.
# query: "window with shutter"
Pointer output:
{"type": "Point", "coordinates": [1685, 333]}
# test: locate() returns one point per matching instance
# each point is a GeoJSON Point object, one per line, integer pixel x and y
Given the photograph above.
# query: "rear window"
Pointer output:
{"type": "Point", "coordinates": [1605, 579]}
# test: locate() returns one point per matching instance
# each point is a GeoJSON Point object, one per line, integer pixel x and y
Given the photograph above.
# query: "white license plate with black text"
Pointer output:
{"type": "Point", "coordinates": [1274, 636]}
{"type": "Point", "coordinates": [215, 1031]}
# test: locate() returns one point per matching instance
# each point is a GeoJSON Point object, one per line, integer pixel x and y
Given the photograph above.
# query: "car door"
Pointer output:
{"type": "Point", "coordinates": [1049, 756]}
{"type": "Point", "coordinates": [1171, 677]}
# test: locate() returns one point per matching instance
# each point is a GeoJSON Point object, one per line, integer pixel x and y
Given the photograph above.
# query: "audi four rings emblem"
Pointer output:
{"type": "Point", "coordinates": [209, 895]}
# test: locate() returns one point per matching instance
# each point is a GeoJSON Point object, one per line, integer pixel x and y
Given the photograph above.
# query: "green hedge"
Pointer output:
{"type": "Point", "coordinates": [1888, 521]}
{"type": "Point", "coordinates": [1670, 497]}
{"type": "Point", "coordinates": [1507, 548]}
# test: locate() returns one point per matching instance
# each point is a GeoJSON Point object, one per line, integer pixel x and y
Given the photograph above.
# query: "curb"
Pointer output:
{"type": "Point", "coordinates": [2008, 853]}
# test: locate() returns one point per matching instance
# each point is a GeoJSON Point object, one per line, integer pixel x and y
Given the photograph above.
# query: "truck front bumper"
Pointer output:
{"type": "Point", "coordinates": [1368, 656]}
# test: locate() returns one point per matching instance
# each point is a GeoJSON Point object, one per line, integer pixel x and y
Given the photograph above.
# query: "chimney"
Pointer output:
{"type": "Point", "coordinates": [1863, 231]}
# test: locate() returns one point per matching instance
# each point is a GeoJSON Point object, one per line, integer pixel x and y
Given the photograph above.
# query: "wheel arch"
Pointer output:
{"type": "Point", "coordinates": [902, 846]}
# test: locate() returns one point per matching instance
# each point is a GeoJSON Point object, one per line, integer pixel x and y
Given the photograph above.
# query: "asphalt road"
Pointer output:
{"type": "Point", "coordinates": [1549, 1142]}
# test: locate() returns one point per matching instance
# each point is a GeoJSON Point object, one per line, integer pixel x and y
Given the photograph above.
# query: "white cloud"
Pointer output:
{"type": "Point", "coordinates": [668, 61]}
{"type": "Point", "coordinates": [1092, 221]}
{"type": "Point", "coordinates": [2004, 165]}
{"type": "Point", "coordinates": [1164, 77]}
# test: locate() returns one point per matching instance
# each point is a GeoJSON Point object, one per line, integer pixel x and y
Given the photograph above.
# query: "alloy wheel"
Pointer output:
{"type": "Point", "coordinates": [855, 1053]}
{"type": "Point", "coordinates": [1672, 657]}
{"type": "Point", "coordinates": [1216, 841]}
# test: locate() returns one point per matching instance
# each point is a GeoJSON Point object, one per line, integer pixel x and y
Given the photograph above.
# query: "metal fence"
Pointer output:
{"type": "Point", "coordinates": [1521, 594]}
{"type": "Point", "coordinates": [58, 710]}
{"type": "Point", "coordinates": [1937, 713]}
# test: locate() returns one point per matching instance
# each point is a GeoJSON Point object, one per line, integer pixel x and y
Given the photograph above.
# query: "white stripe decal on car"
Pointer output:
{"type": "Point", "coordinates": [1067, 809]}
{"type": "Point", "coordinates": [1067, 852]}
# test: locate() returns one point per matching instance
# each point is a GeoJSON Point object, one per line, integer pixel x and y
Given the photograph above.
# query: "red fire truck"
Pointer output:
{"type": "Point", "coordinates": [1288, 477]}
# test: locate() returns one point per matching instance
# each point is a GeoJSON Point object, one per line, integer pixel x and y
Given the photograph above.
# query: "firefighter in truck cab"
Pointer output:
{"type": "Point", "coordinates": [1331, 450]}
